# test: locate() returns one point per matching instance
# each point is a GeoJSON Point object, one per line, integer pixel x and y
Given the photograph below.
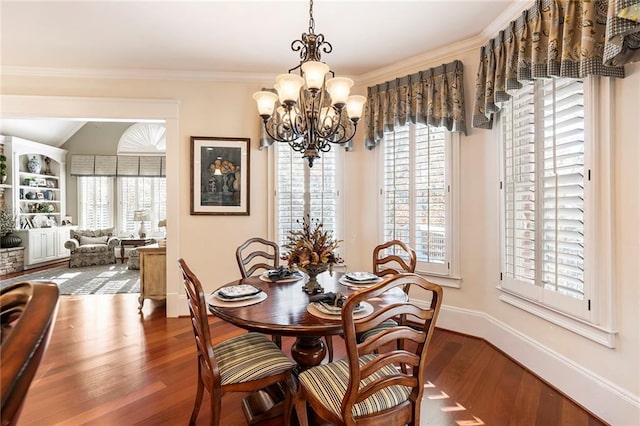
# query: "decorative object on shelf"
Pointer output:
{"type": "Point", "coordinates": [3, 168]}
{"type": "Point", "coordinates": [30, 195]}
{"type": "Point", "coordinates": [7, 226]}
{"type": "Point", "coordinates": [141, 215]}
{"type": "Point", "coordinates": [310, 117]}
{"type": "Point", "coordinates": [34, 165]}
{"type": "Point", "coordinates": [47, 166]}
{"type": "Point", "coordinates": [312, 251]}
{"type": "Point", "coordinates": [48, 194]}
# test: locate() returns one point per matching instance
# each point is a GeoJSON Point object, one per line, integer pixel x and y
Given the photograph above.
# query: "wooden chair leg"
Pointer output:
{"type": "Point", "coordinates": [301, 409]}
{"type": "Point", "coordinates": [198, 402]}
{"type": "Point", "coordinates": [290, 391]}
{"type": "Point", "coordinates": [329, 341]}
{"type": "Point", "coordinates": [216, 407]}
{"type": "Point", "coordinates": [277, 340]}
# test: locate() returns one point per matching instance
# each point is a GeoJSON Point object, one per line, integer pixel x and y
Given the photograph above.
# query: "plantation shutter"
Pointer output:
{"type": "Point", "coordinates": [302, 190]}
{"type": "Point", "coordinates": [563, 188]}
{"type": "Point", "coordinates": [135, 193]}
{"type": "Point", "coordinates": [415, 193]}
{"type": "Point", "coordinates": [520, 181]}
{"type": "Point", "coordinates": [544, 193]}
{"type": "Point", "coordinates": [94, 202]}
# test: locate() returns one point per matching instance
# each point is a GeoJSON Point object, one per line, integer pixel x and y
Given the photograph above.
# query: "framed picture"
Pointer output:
{"type": "Point", "coordinates": [39, 196]}
{"type": "Point", "coordinates": [219, 176]}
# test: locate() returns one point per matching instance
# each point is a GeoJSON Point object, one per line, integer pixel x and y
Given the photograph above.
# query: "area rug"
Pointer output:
{"type": "Point", "coordinates": [103, 279]}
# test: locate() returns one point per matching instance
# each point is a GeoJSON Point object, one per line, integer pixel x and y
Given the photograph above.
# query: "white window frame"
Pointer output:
{"type": "Point", "coordinates": [274, 220]}
{"type": "Point", "coordinates": [598, 325]}
{"type": "Point", "coordinates": [448, 275]}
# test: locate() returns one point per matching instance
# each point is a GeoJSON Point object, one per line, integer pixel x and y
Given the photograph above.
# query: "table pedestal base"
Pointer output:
{"type": "Point", "coordinates": [264, 404]}
{"type": "Point", "coordinates": [308, 352]}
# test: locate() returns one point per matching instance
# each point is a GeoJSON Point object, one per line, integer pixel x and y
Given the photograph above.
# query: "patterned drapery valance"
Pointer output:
{"type": "Point", "coordinates": [623, 32]}
{"type": "Point", "coordinates": [564, 38]}
{"type": "Point", "coordinates": [434, 97]}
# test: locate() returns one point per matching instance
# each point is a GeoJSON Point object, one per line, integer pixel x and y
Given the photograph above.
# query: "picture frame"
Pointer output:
{"type": "Point", "coordinates": [39, 196]}
{"type": "Point", "coordinates": [220, 176]}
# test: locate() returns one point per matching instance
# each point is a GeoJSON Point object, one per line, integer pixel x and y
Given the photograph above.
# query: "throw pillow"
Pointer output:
{"type": "Point", "coordinates": [92, 240]}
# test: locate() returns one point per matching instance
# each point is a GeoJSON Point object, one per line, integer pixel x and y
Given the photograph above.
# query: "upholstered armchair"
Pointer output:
{"type": "Point", "coordinates": [92, 247]}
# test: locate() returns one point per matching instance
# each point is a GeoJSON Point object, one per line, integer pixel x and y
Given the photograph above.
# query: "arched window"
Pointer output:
{"type": "Point", "coordinates": [143, 138]}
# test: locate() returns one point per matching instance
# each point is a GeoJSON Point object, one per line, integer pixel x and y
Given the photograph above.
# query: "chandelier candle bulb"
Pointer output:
{"type": "Point", "coordinates": [310, 107]}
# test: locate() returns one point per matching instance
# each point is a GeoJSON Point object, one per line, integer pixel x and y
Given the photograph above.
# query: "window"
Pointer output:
{"type": "Point", "coordinates": [549, 223]}
{"type": "Point", "coordinates": [95, 206]}
{"type": "Point", "coordinates": [136, 193]}
{"type": "Point", "coordinates": [302, 190]}
{"type": "Point", "coordinates": [96, 197]}
{"type": "Point", "coordinates": [417, 195]}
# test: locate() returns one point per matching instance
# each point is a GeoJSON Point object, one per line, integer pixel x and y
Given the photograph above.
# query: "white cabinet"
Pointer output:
{"type": "Point", "coordinates": [44, 245]}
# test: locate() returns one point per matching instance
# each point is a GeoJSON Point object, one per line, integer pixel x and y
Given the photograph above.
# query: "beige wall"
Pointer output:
{"type": "Point", "coordinates": [208, 242]}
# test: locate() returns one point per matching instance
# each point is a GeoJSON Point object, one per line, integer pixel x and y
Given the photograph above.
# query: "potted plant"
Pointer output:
{"type": "Point", "coordinates": [7, 226]}
{"type": "Point", "coordinates": [3, 168]}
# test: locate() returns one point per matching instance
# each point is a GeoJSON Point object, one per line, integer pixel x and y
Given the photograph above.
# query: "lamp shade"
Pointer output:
{"type": "Point", "coordinates": [288, 87]}
{"type": "Point", "coordinates": [338, 88]}
{"type": "Point", "coordinates": [355, 104]}
{"type": "Point", "coordinates": [141, 215]}
{"type": "Point", "coordinates": [314, 73]}
{"type": "Point", "coordinates": [266, 102]}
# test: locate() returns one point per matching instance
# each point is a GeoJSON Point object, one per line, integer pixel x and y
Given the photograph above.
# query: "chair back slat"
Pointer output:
{"type": "Point", "coordinates": [200, 323]}
{"type": "Point", "coordinates": [393, 257]}
{"type": "Point", "coordinates": [257, 254]}
{"type": "Point", "coordinates": [397, 354]}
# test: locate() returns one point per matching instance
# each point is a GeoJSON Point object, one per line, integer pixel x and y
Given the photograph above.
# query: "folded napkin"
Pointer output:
{"type": "Point", "coordinates": [330, 298]}
{"type": "Point", "coordinates": [236, 291]}
{"type": "Point", "coordinates": [282, 273]}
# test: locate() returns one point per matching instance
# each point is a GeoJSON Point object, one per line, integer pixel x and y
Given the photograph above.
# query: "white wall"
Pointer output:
{"type": "Point", "coordinates": [609, 379]}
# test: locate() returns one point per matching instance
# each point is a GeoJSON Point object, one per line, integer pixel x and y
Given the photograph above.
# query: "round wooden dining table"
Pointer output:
{"type": "Point", "coordinates": [284, 313]}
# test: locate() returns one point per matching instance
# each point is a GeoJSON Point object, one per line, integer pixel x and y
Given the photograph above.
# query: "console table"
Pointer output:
{"type": "Point", "coordinates": [133, 242]}
{"type": "Point", "coordinates": [153, 273]}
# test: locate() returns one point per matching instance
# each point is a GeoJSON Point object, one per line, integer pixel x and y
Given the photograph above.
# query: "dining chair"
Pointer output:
{"type": "Point", "coordinates": [377, 383]}
{"type": "Point", "coordinates": [393, 257]}
{"type": "Point", "coordinates": [390, 258]}
{"type": "Point", "coordinates": [244, 363]}
{"type": "Point", "coordinates": [256, 255]}
{"type": "Point", "coordinates": [27, 315]}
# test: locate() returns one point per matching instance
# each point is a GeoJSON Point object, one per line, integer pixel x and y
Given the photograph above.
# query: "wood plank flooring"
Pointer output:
{"type": "Point", "coordinates": [107, 365]}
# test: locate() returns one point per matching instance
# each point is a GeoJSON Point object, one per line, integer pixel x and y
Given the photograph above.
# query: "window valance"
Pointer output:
{"type": "Point", "coordinates": [434, 96]}
{"type": "Point", "coordinates": [563, 38]}
{"type": "Point", "coordinates": [118, 165]}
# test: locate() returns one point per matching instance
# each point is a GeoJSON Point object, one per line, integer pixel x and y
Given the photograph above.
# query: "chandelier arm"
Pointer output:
{"type": "Point", "coordinates": [276, 137]}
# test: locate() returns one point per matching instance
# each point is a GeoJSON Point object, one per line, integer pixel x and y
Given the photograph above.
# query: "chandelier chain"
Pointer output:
{"type": "Point", "coordinates": [312, 23]}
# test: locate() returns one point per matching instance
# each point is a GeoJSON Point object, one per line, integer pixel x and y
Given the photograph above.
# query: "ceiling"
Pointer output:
{"type": "Point", "coordinates": [214, 38]}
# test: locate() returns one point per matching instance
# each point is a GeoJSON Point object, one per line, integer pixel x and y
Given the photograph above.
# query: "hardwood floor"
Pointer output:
{"type": "Point", "coordinates": [107, 365]}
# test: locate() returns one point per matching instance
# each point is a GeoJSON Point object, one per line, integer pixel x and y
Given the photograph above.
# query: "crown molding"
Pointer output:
{"type": "Point", "coordinates": [136, 74]}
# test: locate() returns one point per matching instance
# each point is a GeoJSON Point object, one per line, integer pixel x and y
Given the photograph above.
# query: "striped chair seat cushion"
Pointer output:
{"type": "Point", "coordinates": [328, 384]}
{"type": "Point", "coordinates": [380, 327]}
{"type": "Point", "coordinates": [250, 356]}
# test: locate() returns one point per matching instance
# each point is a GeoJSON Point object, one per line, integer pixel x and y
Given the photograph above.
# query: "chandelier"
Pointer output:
{"type": "Point", "coordinates": [311, 111]}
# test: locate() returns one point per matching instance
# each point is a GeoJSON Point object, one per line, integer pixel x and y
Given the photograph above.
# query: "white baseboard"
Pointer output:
{"type": "Point", "coordinates": [604, 399]}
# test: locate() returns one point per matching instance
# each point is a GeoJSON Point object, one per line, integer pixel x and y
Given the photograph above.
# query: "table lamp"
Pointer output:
{"type": "Point", "coordinates": [142, 216]}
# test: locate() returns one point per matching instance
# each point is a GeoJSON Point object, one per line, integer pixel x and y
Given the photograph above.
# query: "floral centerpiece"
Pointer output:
{"type": "Point", "coordinates": [312, 250]}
